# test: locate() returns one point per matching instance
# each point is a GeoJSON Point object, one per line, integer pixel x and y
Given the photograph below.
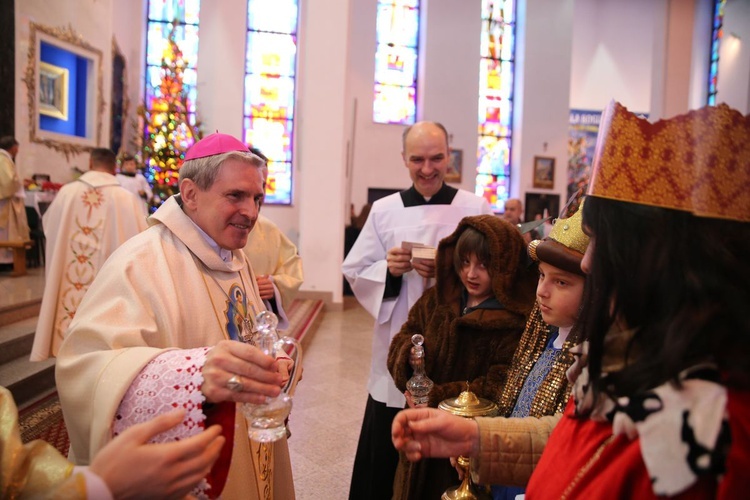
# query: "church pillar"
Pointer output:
{"type": "Point", "coordinates": [320, 165]}
{"type": "Point", "coordinates": [542, 92]}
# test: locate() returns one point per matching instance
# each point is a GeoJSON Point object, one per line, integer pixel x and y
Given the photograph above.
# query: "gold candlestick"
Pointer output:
{"type": "Point", "coordinates": [468, 405]}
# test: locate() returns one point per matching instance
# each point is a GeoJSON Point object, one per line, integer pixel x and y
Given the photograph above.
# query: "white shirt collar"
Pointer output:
{"type": "Point", "coordinates": [226, 255]}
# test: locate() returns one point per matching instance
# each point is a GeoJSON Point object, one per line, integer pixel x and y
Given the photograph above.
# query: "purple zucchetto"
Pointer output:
{"type": "Point", "coordinates": [215, 144]}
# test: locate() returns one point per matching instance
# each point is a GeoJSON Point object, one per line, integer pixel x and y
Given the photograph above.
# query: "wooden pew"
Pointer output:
{"type": "Point", "coordinates": [19, 254]}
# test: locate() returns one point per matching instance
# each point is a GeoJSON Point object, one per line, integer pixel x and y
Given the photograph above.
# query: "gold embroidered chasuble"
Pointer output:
{"type": "Point", "coordinates": [86, 222]}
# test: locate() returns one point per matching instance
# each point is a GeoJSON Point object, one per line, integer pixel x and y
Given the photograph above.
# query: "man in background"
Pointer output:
{"type": "Point", "coordinates": [88, 220]}
{"type": "Point", "coordinates": [387, 283]}
{"type": "Point", "coordinates": [13, 223]}
{"type": "Point", "coordinates": [514, 214]}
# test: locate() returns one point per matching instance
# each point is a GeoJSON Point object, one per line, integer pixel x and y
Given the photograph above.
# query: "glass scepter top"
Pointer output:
{"type": "Point", "coordinates": [419, 385]}
{"type": "Point", "coordinates": [266, 338]}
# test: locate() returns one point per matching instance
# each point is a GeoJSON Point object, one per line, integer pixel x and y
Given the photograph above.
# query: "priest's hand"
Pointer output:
{"type": "Point", "coordinates": [285, 369]}
{"type": "Point", "coordinates": [399, 261]}
{"type": "Point", "coordinates": [424, 267]}
{"type": "Point", "coordinates": [256, 375]}
{"type": "Point", "coordinates": [265, 287]}
{"type": "Point", "coordinates": [429, 432]}
{"type": "Point", "coordinates": [134, 468]}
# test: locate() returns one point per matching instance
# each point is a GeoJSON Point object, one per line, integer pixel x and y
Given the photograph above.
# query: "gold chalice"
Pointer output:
{"type": "Point", "coordinates": [468, 405]}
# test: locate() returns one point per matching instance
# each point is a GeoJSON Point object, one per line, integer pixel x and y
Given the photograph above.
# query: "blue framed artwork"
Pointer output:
{"type": "Point", "coordinates": [64, 84]}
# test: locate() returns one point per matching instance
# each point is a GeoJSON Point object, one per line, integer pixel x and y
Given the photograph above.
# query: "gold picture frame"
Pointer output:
{"type": "Point", "coordinates": [455, 165]}
{"type": "Point", "coordinates": [53, 90]}
{"type": "Point", "coordinates": [544, 172]}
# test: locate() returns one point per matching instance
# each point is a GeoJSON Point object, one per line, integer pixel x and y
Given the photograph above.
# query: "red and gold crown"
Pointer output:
{"type": "Point", "coordinates": [698, 162]}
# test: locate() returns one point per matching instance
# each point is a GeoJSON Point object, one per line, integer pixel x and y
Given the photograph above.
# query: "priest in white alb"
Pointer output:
{"type": "Point", "coordinates": [158, 328]}
{"type": "Point", "coordinates": [87, 221]}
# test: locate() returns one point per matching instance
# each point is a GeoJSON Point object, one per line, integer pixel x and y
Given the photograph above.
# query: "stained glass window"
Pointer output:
{"type": "Point", "coordinates": [161, 16]}
{"type": "Point", "coordinates": [270, 79]}
{"type": "Point", "coordinates": [496, 68]}
{"type": "Point", "coordinates": [716, 35]}
{"type": "Point", "coordinates": [396, 62]}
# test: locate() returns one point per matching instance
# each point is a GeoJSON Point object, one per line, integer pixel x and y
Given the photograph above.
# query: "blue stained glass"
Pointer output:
{"type": "Point", "coordinates": [396, 62]}
{"type": "Point", "coordinates": [186, 11]}
{"type": "Point", "coordinates": [279, 16]}
{"type": "Point", "coordinates": [716, 35]}
{"type": "Point", "coordinates": [270, 54]}
{"type": "Point", "coordinates": [268, 107]}
{"type": "Point", "coordinates": [396, 65]}
{"type": "Point", "coordinates": [498, 41]}
{"type": "Point", "coordinates": [394, 104]}
{"type": "Point", "coordinates": [279, 183]}
{"type": "Point", "coordinates": [495, 110]}
{"type": "Point", "coordinates": [273, 137]}
{"type": "Point", "coordinates": [397, 25]}
{"type": "Point", "coordinates": [269, 97]}
{"type": "Point", "coordinates": [499, 10]}
{"type": "Point", "coordinates": [185, 36]}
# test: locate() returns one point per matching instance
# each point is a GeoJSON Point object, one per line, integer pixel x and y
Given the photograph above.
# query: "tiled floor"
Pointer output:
{"type": "Point", "coordinates": [330, 398]}
{"type": "Point", "coordinates": [15, 290]}
{"type": "Point", "coordinates": [329, 403]}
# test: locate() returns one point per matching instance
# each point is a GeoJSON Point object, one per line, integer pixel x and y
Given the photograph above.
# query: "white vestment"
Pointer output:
{"type": "Point", "coordinates": [136, 184]}
{"type": "Point", "coordinates": [271, 253]}
{"type": "Point", "coordinates": [13, 224]}
{"type": "Point", "coordinates": [389, 225]}
{"type": "Point", "coordinates": [87, 221]}
{"type": "Point", "coordinates": [165, 291]}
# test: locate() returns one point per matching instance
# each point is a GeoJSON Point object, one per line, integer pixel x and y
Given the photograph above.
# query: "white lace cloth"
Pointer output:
{"type": "Point", "coordinates": [171, 380]}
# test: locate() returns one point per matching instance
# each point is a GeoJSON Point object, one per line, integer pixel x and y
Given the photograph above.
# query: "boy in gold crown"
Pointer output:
{"type": "Point", "coordinates": [535, 387]}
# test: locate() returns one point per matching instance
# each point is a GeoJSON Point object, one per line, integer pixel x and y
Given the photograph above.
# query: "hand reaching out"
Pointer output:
{"type": "Point", "coordinates": [429, 432]}
{"type": "Point", "coordinates": [132, 468]}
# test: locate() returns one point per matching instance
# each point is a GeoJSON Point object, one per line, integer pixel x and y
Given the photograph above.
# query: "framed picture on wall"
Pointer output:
{"type": "Point", "coordinates": [453, 174]}
{"type": "Point", "coordinates": [53, 90]}
{"type": "Point", "coordinates": [544, 172]}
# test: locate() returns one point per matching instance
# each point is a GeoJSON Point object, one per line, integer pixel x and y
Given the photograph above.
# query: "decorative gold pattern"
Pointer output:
{"type": "Point", "coordinates": [569, 232]}
{"type": "Point", "coordinates": [553, 393]}
{"type": "Point", "coordinates": [698, 162]}
{"type": "Point", "coordinates": [69, 35]}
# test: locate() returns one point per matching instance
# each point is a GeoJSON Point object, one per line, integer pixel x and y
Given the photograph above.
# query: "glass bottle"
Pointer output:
{"type": "Point", "coordinates": [266, 421]}
{"type": "Point", "coordinates": [419, 385]}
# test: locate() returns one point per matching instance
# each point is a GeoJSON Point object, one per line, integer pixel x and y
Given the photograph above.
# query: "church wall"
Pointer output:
{"type": "Point", "coordinates": [734, 58]}
{"type": "Point", "coordinates": [545, 37]}
{"type": "Point", "coordinates": [612, 54]}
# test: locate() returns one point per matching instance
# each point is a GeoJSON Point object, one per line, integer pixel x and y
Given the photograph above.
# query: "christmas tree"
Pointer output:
{"type": "Point", "coordinates": [167, 131]}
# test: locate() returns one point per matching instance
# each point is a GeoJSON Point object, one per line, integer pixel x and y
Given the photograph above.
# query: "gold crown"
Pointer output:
{"type": "Point", "coordinates": [698, 162]}
{"type": "Point", "coordinates": [565, 245]}
{"type": "Point", "coordinates": [569, 232]}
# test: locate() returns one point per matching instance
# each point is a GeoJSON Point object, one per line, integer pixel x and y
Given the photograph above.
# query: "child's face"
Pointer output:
{"type": "Point", "coordinates": [476, 279]}
{"type": "Point", "coordinates": [128, 166]}
{"type": "Point", "coordinates": [559, 295]}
